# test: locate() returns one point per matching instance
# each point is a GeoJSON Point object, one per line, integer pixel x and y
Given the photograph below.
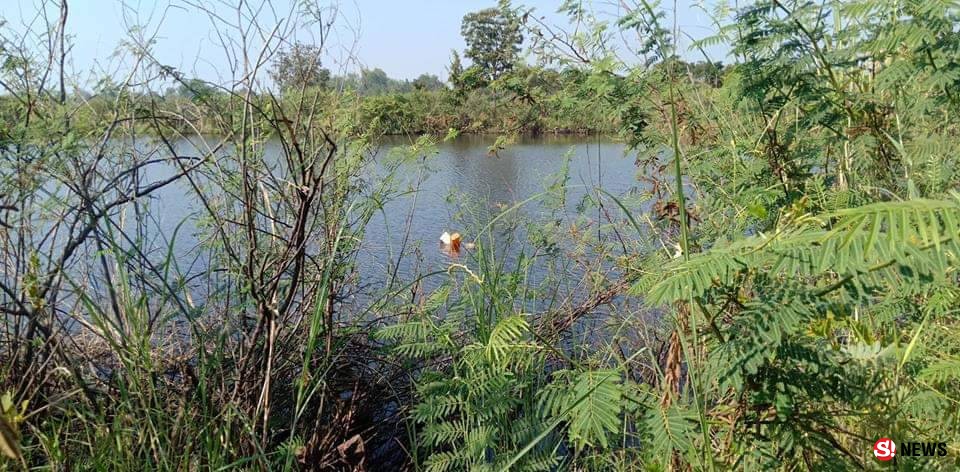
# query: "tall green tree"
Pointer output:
{"type": "Point", "coordinates": [299, 67]}
{"type": "Point", "coordinates": [455, 70]}
{"type": "Point", "coordinates": [428, 82]}
{"type": "Point", "coordinates": [493, 39]}
{"type": "Point", "coordinates": [376, 81]}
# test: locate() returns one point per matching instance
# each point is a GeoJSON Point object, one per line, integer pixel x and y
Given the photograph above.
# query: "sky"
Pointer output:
{"type": "Point", "coordinates": [405, 38]}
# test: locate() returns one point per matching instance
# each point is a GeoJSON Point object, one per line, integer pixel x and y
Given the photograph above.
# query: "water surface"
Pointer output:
{"type": "Point", "coordinates": [459, 188]}
{"type": "Point", "coordinates": [466, 186]}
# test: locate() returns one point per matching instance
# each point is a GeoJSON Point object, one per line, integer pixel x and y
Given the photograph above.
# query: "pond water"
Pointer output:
{"type": "Point", "coordinates": [465, 187]}
{"type": "Point", "coordinates": [458, 189]}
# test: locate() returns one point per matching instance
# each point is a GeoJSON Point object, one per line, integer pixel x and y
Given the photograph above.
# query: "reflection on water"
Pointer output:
{"type": "Point", "coordinates": [463, 188]}
{"type": "Point", "coordinates": [466, 187]}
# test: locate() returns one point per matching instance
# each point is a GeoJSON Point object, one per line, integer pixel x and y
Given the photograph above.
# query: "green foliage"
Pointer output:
{"type": "Point", "coordinates": [428, 82]}
{"type": "Point", "coordinates": [473, 415]}
{"type": "Point", "coordinates": [487, 405]}
{"type": "Point", "coordinates": [828, 252]}
{"type": "Point", "coordinates": [493, 40]}
{"type": "Point", "coordinates": [590, 403]}
{"type": "Point", "coordinates": [919, 235]}
{"type": "Point", "coordinates": [299, 67]}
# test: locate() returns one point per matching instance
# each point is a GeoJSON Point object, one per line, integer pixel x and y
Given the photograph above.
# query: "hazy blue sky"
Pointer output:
{"type": "Point", "coordinates": [403, 37]}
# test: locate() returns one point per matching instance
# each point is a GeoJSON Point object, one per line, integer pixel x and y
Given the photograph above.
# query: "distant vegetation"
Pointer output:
{"type": "Point", "coordinates": [781, 294]}
{"type": "Point", "coordinates": [525, 100]}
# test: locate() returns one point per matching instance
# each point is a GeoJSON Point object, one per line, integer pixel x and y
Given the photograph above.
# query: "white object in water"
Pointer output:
{"type": "Point", "coordinates": [451, 240]}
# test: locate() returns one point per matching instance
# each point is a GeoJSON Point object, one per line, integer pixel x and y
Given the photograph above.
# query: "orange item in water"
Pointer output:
{"type": "Point", "coordinates": [451, 240]}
